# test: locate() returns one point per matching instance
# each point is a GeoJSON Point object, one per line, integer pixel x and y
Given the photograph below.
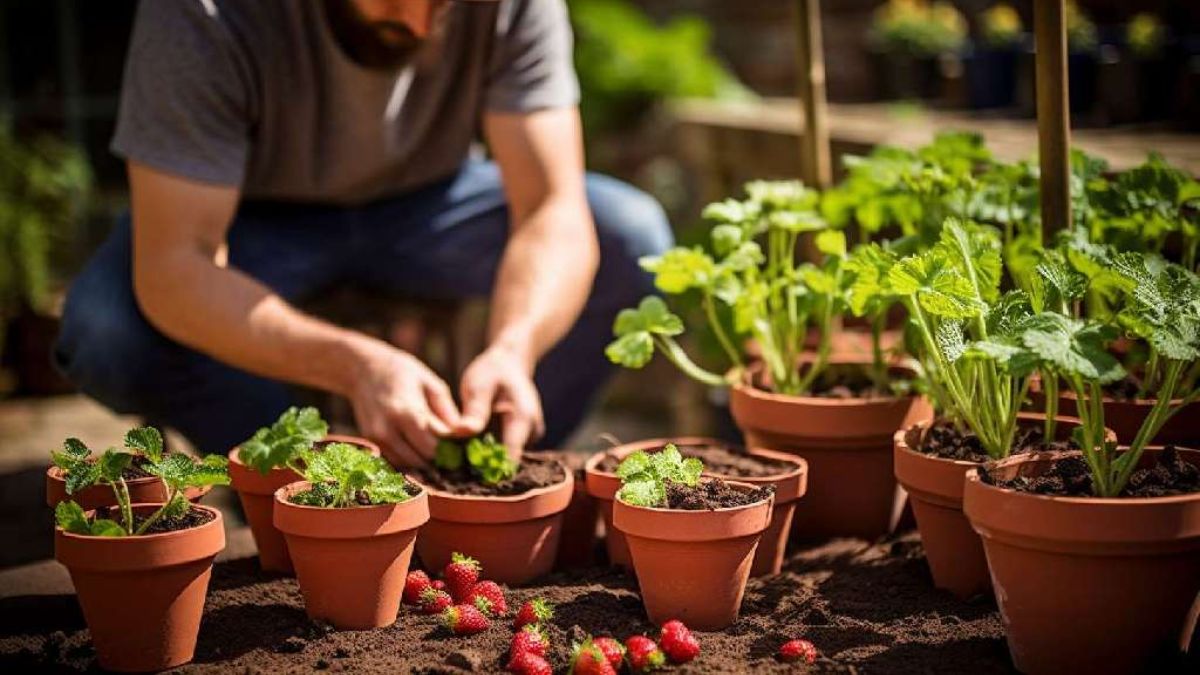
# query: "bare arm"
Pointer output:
{"type": "Point", "coordinates": [546, 270]}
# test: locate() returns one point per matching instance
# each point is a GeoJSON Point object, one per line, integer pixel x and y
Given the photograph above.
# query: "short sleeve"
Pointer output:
{"type": "Point", "coordinates": [531, 67]}
{"type": "Point", "coordinates": [185, 105]}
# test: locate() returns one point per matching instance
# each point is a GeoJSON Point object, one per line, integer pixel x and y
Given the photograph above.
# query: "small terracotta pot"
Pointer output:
{"type": "Point", "coordinates": [1087, 585]}
{"type": "Point", "coordinates": [1126, 417]}
{"type": "Point", "coordinates": [848, 447]}
{"type": "Point", "coordinates": [256, 491]}
{"type": "Point", "coordinates": [515, 538]}
{"type": "Point", "coordinates": [143, 596]}
{"type": "Point", "coordinates": [935, 489]}
{"type": "Point", "coordinates": [148, 490]}
{"type": "Point", "coordinates": [789, 487]}
{"type": "Point", "coordinates": [577, 542]}
{"type": "Point", "coordinates": [351, 563]}
{"type": "Point", "coordinates": [693, 565]}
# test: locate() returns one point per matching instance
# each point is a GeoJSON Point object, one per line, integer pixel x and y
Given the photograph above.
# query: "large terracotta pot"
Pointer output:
{"type": "Point", "coordinates": [142, 597]}
{"type": "Point", "coordinates": [1087, 585]}
{"type": "Point", "coordinates": [351, 563]}
{"type": "Point", "coordinates": [789, 487]}
{"type": "Point", "coordinates": [935, 490]}
{"type": "Point", "coordinates": [147, 490]}
{"type": "Point", "coordinates": [256, 491]}
{"type": "Point", "coordinates": [515, 538]}
{"type": "Point", "coordinates": [693, 565]}
{"type": "Point", "coordinates": [848, 447]}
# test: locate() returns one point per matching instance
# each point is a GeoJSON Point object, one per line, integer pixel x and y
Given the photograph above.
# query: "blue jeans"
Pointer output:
{"type": "Point", "coordinates": [442, 241]}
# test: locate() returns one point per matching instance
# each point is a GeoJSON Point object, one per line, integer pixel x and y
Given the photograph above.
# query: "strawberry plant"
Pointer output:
{"type": "Point", "coordinates": [277, 445]}
{"type": "Point", "coordinates": [485, 457]}
{"type": "Point", "coordinates": [343, 475]}
{"type": "Point", "coordinates": [644, 477]}
{"type": "Point", "coordinates": [177, 471]}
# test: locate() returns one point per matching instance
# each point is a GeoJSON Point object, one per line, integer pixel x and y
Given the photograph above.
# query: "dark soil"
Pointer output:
{"type": "Point", "coordinates": [533, 473]}
{"type": "Point", "coordinates": [571, 459]}
{"type": "Point", "coordinates": [710, 495]}
{"type": "Point", "coordinates": [361, 497]}
{"type": "Point", "coordinates": [946, 441]}
{"type": "Point", "coordinates": [848, 382]}
{"type": "Point", "coordinates": [1124, 389]}
{"type": "Point", "coordinates": [193, 518]}
{"type": "Point", "coordinates": [726, 460]}
{"type": "Point", "coordinates": [1070, 477]}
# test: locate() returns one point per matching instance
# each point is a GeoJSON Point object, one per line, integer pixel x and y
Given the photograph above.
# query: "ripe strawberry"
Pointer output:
{"type": "Point", "coordinates": [494, 595]}
{"type": "Point", "coordinates": [533, 611]}
{"type": "Point", "coordinates": [465, 620]}
{"type": "Point", "coordinates": [438, 584]}
{"type": "Point", "coordinates": [530, 639]}
{"type": "Point", "coordinates": [528, 663]}
{"type": "Point", "coordinates": [613, 650]}
{"type": "Point", "coordinates": [460, 575]}
{"type": "Point", "coordinates": [796, 650]}
{"type": "Point", "coordinates": [590, 660]}
{"type": "Point", "coordinates": [414, 586]}
{"type": "Point", "coordinates": [677, 642]}
{"type": "Point", "coordinates": [643, 654]}
{"type": "Point", "coordinates": [434, 601]}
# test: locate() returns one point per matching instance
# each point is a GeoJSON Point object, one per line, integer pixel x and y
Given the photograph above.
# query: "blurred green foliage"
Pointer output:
{"type": "Point", "coordinates": [918, 28]}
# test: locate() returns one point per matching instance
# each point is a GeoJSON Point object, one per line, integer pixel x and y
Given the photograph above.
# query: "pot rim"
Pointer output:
{"type": "Point", "coordinates": [728, 509]}
{"type": "Point", "coordinates": [901, 438]}
{"type": "Point", "coordinates": [349, 522]}
{"type": "Point", "coordinates": [742, 379]}
{"type": "Point", "coordinates": [54, 472]}
{"type": "Point", "coordinates": [217, 521]}
{"type": "Point", "coordinates": [371, 447]}
{"type": "Point", "coordinates": [1036, 386]}
{"type": "Point", "coordinates": [800, 464]}
{"type": "Point", "coordinates": [435, 493]}
{"type": "Point", "coordinates": [297, 486]}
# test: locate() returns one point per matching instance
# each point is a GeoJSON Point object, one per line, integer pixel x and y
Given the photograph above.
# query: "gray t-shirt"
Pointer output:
{"type": "Point", "coordinates": [257, 94]}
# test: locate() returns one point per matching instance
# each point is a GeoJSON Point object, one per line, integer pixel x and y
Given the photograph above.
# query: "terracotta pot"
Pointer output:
{"type": "Point", "coordinates": [515, 538]}
{"type": "Point", "coordinates": [935, 490]}
{"type": "Point", "coordinates": [142, 597]}
{"type": "Point", "coordinates": [1087, 585]}
{"type": "Point", "coordinates": [577, 542]}
{"type": "Point", "coordinates": [148, 490]}
{"type": "Point", "coordinates": [693, 565]}
{"type": "Point", "coordinates": [848, 446]}
{"type": "Point", "coordinates": [256, 491]}
{"type": "Point", "coordinates": [1126, 417]}
{"type": "Point", "coordinates": [789, 487]}
{"type": "Point", "coordinates": [351, 563]}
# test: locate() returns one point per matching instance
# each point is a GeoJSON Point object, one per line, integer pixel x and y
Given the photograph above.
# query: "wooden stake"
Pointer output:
{"type": "Point", "coordinates": [1053, 113]}
{"type": "Point", "coordinates": [815, 167]}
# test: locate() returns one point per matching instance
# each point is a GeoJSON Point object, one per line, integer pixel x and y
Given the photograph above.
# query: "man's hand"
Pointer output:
{"type": "Point", "coordinates": [501, 382]}
{"type": "Point", "coordinates": [401, 404]}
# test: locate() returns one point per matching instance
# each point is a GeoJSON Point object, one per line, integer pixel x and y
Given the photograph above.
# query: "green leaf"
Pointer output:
{"type": "Point", "coordinates": [146, 440]}
{"type": "Point", "coordinates": [1074, 347]}
{"type": "Point", "coordinates": [651, 315]}
{"type": "Point", "coordinates": [388, 488]}
{"type": "Point", "coordinates": [448, 455]}
{"type": "Point", "coordinates": [726, 238]}
{"type": "Point", "coordinates": [489, 460]}
{"type": "Point", "coordinates": [70, 517]}
{"type": "Point", "coordinates": [939, 288]}
{"type": "Point", "coordinates": [102, 527]}
{"type": "Point", "coordinates": [212, 470]}
{"type": "Point", "coordinates": [74, 448]}
{"type": "Point", "coordinates": [1012, 358]}
{"type": "Point", "coordinates": [176, 508]}
{"type": "Point", "coordinates": [782, 194]}
{"type": "Point", "coordinates": [294, 432]}
{"type": "Point", "coordinates": [950, 341]}
{"type": "Point", "coordinates": [648, 493]}
{"type": "Point", "coordinates": [832, 242]}
{"type": "Point", "coordinates": [633, 464]}
{"type": "Point", "coordinates": [644, 476]}
{"type": "Point", "coordinates": [631, 350]}
{"type": "Point", "coordinates": [112, 464]}
{"type": "Point", "coordinates": [82, 475]}
{"type": "Point", "coordinates": [731, 211]}
{"type": "Point", "coordinates": [681, 269]}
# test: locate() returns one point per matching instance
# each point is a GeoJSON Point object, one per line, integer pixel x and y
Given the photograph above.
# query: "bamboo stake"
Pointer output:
{"type": "Point", "coordinates": [815, 167]}
{"type": "Point", "coordinates": [1053, 113]}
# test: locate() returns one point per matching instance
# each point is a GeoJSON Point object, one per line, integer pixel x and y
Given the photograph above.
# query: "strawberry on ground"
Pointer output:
{"type": "Point", "coordinates": [613, 650]}
{"type": "Point", "coordinates": [460, 574]}
{"type": "Point", "coordinates": [434, 601]}
{"type": "Point", "coordinates": [533, 611]}
{"type": "Point", "coordinates": [643, 654]}
{"type": "Point", "coordinates": [528, 663]}
{"type": "Point", "coordinates": [414, 585]}
{"type": "Point", "coordinates": [677, 642]}
{"type": "Point", "coordinates": [465, 620]}
{"type": "Point", "coordinates": [494, 595]}
{"type": "Point", "coordinates": [530, 639]}
{"type": "Point", "coordinates": [797, 650]}
{"type": "Point", "coordinates": [590, 660]}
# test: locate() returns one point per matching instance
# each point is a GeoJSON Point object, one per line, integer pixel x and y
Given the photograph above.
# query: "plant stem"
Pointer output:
{"type": "Point", "coordinates": [879, 371]}
{"type": "Point", "coordinates": [710, 311]}
{"type": "Point", "coordinates": [1050, 391]}
{"type": "Point", "coordinates": [157, 515]}
{"type": "Point", "coordinates": [124, 503]}
{"type": "Point", "coordinates": [675, 353]}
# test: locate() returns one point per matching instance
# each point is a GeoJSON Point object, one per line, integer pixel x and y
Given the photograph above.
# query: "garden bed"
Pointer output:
{"type": "Point", "coordinates": [867, 608]}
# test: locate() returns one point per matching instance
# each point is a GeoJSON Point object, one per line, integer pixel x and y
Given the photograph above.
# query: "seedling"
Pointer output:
{"type": "Point", "coordinates": [343, 475]}
{"type": "Point", "coordinates": [178, 472]}
{"type": "Point", "coordinates": [485, 457]}
{"type": "Point", "coordinates": [644, 477]}
{"type": "Point", "coordinates": [277, 445]}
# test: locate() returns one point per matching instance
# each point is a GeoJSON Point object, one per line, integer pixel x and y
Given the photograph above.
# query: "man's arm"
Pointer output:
{"type": "Point", "coordinates": [186, 289]}
{"type": "Point", "coordinates": [545, 273]}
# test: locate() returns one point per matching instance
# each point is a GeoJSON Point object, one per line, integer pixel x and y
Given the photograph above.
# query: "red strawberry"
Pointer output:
{"type": "Point", "coordinates": [465, 620]}
{"type": "Point", "coordinates": [797, 650]}
{"type": "Point", "coordinates": [414, 586]}
{"type": "Point", "coordinates": [533, 611]}
{"type": "Point", "coordinates": [529, 639]}
{"type": "Point", "coordinates": [613, 650]}
{"type": "Point", "coordinates": [494, 595]}
{"type": "Point", "coordinates": [438, 584]}
{"type": "Point", "coordinates": [528, 663]}
{"type": "Point", "coordinates": [460, 575]}
{"type": "Point", "coordinates": [434, 601]}
{"type": "Point", "coordinates": [590, 660]}
{"type": "Point", "coordinates": [677, 642]}
{"type": "Point", "coordinates": [644, 655]}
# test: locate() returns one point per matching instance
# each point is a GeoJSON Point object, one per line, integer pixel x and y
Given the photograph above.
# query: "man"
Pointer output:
{"type": "Point", "coordinates": [276, 148]}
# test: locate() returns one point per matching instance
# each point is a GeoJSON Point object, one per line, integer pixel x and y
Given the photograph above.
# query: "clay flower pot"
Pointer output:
{"type": "Point", "coordinates": [1087, 585]}
{"type": "Point", "coordinates": [351, 562]}
{"type": "Point", "coordinates": [789, 487]}
{"type": "Point", "coordinates": [1126, 417]}
{"type": "Point", "coordinates": [256, 491]}
{"type": "Point", "coordinates": [935, 490]}
{"type": "Point", "coordinates": [147, 490]}
{"type": "Point", "coordinates": [577, 540]}
{"type": "Point", "coordinates": [848, 446]}
{"type": "Point", "coordinates": [515, 538]}
{"type": "Point", "coordinates": [693, 565]}
{"type": "Point", "coordinates": [142, 597]}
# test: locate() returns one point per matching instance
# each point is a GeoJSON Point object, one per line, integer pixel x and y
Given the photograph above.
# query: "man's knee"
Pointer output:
{"type": "Point", "coordinates": [630, 224]}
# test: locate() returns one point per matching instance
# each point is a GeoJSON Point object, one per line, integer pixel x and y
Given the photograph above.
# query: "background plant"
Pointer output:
{"type": "Point", "coordinates": [484, 457]}
{"type": "Point", "coordinates": [296, 430]}
{"type": "Point", "coordinates": [1000, 26]}
{"type": "Point", "coordinates": [1145, 35]}
{"type": "Point", "coordinates": [343, 476]}
{"type": "Point", "coordinates": [918, 27]}
{"type": "Point", "coordinates": [645, 476]}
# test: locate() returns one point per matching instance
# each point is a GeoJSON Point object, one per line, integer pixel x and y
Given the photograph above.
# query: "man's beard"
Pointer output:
{"type": "Point", "coordinates": [382, 45]}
